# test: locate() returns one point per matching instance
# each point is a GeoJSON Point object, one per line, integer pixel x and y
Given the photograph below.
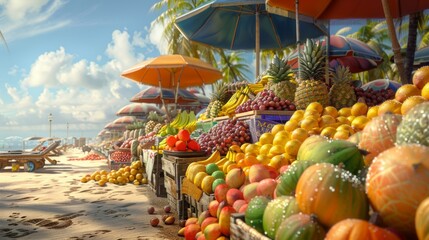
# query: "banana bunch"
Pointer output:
{"type": "Point", "coordinates": [192, 122]}
{"type": "Point", "coordinates": [200, 166]}
{"type": "Point", "coordinates": [231, 156]}
{"type": "Point", "coordinates": [238, 98]}
{"type": "Point", "coordinates": [256, 87]}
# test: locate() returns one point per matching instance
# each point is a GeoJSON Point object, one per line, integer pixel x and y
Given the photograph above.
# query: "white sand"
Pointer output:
{"type": "Point", "coordinates": [52, 203]}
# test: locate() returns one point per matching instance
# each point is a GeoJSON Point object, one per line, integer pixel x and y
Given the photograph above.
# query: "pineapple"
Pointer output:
{"type": "Point", "coordinates": [311, 86]}
{"type": "Point", "coordinates": [342, 94]}
{"type": "Point", "coordinates": [280, 78]}
{"type": "Point", "coordinates": [218, 99]}
{"type": "Point", "coordinates": [150, 125]}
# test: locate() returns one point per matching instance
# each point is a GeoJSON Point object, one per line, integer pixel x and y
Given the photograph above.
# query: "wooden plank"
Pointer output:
{"type": "Point", "coordinates": [168, 167]}
{"type": "Point", "coordinates": [170, 186]}
{"type": "Point", "coordinates": [191, 190]}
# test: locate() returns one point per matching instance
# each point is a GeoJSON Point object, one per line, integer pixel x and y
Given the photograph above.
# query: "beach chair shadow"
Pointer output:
{"type": "Point", "coordinates": [30, 160]}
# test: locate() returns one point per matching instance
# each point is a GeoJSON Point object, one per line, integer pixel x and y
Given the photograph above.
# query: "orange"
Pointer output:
{"type": "Point", "coordinates": [292, 147]}
{"type": "Point", "coordinates": [252, 148]}
{"type": "Point", "coordinates": [250, 160]}
{"type": "Point", "coordinates": [351, 118]}
{"type": "Point", "coordinates": [372, 112]}
{"type": "Point", "coordinates": [343, 135]}
{"type": "Point", "coordinates": [239, 156]}
{"type": "Point", "coordinates": [328, 132]}
{"type": "Point", "coordinates": [281, 138]}
{"type": "Point", "coordinates": [312, 113]}
{"type": "Point", "coordinates": [300, 134]}
{"type": "Point", "coordinates": [243, 146]}
{"type": "Point", "coordinates": [406, 91]}
{"type": "Point", "coordinates": [392, 106]}
{"type": "Point", "coordinates": [277, 150]}
{"type": "Point", "coordinates": [315, 106]}
{"type": "Point", "coordinates": [425, 91]}
{"type": "Point", "coordinates": [410, 102]}
{"type": "Point", "coordinates": [359, 109]}
{"type": "Point", "coordinates": [266, 138]}
{"type": "Point", "coordinates": [326, 120]}
{"type": "Point", "coordinates": [359, 122]}
{"type": "Point", "coordinates": [345, 127]}
{"type": "Point", "coordinates": [277, 128]}
{"type": "Point", "coordinates": [232, 166]}
{"type": "Point", "coordinates": [329, 110]}
{"type": "Point", "coordinates": [342, 119]}
{"type": "Point", "coordinates": [309, 123]}
{"type": "Point", "coordinates": [263, 159]}
{"type": "Point", "coordinates": [265, 149]}
{"type": "Point", "coordinates": [290, 125]}
{"type": "Point", "coordinates": [278, 161]}
{"type": "Point", "coordinates": [241, 163]}
{"type": "Point", "coordinates": [345, 112]}
{"type": "Point", "coordinates": [297, 115]}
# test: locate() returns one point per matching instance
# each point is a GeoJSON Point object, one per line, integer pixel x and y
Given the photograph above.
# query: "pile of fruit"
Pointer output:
{"type": "Point", "coordinates": [120, 156]}
{"type": "Point", "coordinates": [325, 171]}
{"type": "Point", "coordinates": [182, 142]}
{"type": "Point", "coordinates": [167, 218]}
{"type": "Point", "coordinates": [266, 100]}
{"type": "Point", "coordinates": [223, 135]}
{"type": "Point", "coordinates": [128, 174]}
{"type": "Point", "coordinates": [92, 156]}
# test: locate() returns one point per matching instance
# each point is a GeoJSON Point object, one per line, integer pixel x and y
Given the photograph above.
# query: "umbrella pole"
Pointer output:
{"type": "Point", "coordinates": [297, 36]}
{"type": "Point", "coordinates": [257, 44]}
{"type": "Point", "coordinates": [177, 87]}
{"type": "Point", "coordinates": [162, 97]}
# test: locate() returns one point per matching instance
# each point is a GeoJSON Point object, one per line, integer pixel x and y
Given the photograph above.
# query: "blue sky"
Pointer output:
{"type": "Point", "coordinates": [65, 57]}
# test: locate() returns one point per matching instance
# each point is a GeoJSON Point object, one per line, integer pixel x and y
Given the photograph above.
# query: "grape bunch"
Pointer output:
{"type": "Point", "coordinates": [373, 97]}
{"type": "Point", "coordinates": [223, 135]}
{"type": "Point", "coordinates": [266, 100]}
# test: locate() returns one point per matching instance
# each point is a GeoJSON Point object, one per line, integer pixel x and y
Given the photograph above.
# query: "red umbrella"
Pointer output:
{"type": "Point", "coordinates": [356, 55]}
{"type": "Point", "coordinates": [138, 110]}
{"type": "Point", "coordinates": [115, 126]}
{"type": "Point", "coordinates": [125, 120]}
{"type": "Point", "coordinates": [154, 95]}
{"type": "Point", "coordinates": [347, 9]}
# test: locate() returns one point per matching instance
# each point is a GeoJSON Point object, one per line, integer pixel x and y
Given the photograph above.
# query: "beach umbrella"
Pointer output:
{"type": "Point", "coordinates": [115, 126]}
{"type": "Point", "coordinates": [173, 71]}
{"type": "Point", "coordinates": [243, 25]}
{"type": "Point", "coordinates": [347, 9]}
{"type": "Point", "coordinates": [421, 57]}
{"type": "Point", "coordinates": [154, 95]}
{"type": "Point", "coordinates": [125, 120]}
{"type": "Point", "coordinates": [349, 52]}
{"type": "Point", "coordinates": [138, 110]}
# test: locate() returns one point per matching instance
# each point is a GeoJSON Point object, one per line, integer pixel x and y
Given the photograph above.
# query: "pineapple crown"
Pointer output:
{"type": "Point", "coordinates": [312, 61]}
{"type": "Point", "coordinates": [279, 70]}
{"type": "Point", "coordinates": [341, 74]}
{"type": "Point", "coordinates": [219, 90]}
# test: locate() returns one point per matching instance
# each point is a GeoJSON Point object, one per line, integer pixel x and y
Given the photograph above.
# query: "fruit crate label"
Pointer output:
{"type": "Point", "coordinates": [259, 126]}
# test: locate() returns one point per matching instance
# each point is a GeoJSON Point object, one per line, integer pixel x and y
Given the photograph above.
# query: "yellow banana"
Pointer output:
{"type": "Point", "coordinates": [221, 162]}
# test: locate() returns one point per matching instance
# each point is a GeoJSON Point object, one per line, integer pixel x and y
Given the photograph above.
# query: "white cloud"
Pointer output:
{"type": "Point", "coordinates": [157, 39]}
{"type": "Point", "coordinates": [82, 92]}
{"type": "Point", "coordinates": [21, 19]}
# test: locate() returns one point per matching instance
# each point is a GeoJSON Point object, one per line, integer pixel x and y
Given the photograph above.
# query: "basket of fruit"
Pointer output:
{"type": "Point", "coordinates": [240, 230]}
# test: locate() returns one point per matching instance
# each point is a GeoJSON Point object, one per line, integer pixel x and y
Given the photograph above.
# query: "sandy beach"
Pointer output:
{"type": "Point", "coordinates": [52, 203]}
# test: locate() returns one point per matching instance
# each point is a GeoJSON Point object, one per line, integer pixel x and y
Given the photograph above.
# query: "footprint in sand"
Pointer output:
{"type": "Point", "coordinates": [17, 233]}
{"type": "Point", "coordinates": [91, 234]}
{"type": "Point", "coordinates": [122, 215]}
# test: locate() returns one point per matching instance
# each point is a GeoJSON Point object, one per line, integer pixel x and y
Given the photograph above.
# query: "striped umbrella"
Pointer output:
{"type": "Point", "coordinates": [154, 95]}
{"type": "Point", "coordinates": [138, 110]}
{"type": "Point", "coordinates": [125, 120]}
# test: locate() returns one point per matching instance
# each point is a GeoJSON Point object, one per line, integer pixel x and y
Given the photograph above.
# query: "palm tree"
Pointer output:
{"type": "Point", "coordinates": [233, 67]}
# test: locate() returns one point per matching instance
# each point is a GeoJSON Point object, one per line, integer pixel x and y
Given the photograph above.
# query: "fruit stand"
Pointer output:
{"type": "Point", "coordinates": [118, 158]}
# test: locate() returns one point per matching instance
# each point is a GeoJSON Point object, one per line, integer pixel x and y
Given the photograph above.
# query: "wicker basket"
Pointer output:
{"type": "Point", "coordinates": [241, 231]}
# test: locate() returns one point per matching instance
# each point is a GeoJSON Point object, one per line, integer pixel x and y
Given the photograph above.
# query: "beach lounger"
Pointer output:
{"type": "Point", "coordinates": [30, 160]}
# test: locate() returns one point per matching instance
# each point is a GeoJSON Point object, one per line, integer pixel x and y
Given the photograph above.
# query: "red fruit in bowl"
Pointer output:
{"type": "Point", "coordinates": [193, 145]}
{"type": "Point", "coordinates": [184, 135]}
{"type": "Point", "coordinates": [181, 145]}
{"type": "Point", "coordinates": [171, 141]}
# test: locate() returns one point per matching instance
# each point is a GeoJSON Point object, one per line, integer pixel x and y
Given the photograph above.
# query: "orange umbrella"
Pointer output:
{"type": "Point", "coordinates": [173, 71]}
{"type": "Point", "coordinates": [347, 9]}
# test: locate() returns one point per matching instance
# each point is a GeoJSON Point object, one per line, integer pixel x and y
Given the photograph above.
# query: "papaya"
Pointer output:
{"type": "Point", "coordinates": [289, 179]}
{"type": "Point", "coordinates": [332, 151]}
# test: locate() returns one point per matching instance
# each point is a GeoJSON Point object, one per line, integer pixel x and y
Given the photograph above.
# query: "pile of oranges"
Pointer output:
{"type": "Point", "coordinates": [128, 174]}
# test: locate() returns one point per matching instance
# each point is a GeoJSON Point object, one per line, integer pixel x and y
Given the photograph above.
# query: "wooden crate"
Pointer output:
{"type": "Point", "coordinates": [196, 199]}
{"type": "Point", "coordinates": [171, 187]}
{"type": "Point", "coordinates": [175, 168]}
{"type": "Point", "coordinates": [157, 184]}
{"type": "Point", "coordinates": [239, 230]}
{"type": "Point", "coordinates": [177, 206]}
{"type": "Point", "coordinates": [276, 116]}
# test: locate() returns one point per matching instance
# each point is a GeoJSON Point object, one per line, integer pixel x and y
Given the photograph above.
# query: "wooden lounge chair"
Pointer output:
{"type": "Point", "coordinates": [30, 160]}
